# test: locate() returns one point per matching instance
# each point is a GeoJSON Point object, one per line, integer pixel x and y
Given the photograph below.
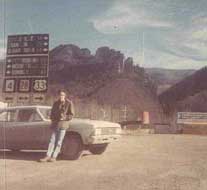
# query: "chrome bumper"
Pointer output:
{"type": "Point", "coordinates": [99, 139]}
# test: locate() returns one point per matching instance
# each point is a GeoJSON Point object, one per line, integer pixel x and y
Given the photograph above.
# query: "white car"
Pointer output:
{"type": "Point", "coordinates": [28, 127]}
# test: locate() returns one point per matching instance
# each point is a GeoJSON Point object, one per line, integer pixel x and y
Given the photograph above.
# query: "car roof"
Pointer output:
{"type": "Point", "coordinates": [26, 107]}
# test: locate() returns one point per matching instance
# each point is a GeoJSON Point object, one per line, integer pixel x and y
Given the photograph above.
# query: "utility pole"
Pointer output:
{"type": "Point", "coordinates": [143, 50]}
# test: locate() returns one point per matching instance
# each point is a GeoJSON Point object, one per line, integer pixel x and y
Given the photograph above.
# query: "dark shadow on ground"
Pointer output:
{"type": "Point", "coordinates": [86, 154]}
{"type": "Point", "coordinates": [28, 155]}
{"type": "Point", "coordinates": [83, 155]}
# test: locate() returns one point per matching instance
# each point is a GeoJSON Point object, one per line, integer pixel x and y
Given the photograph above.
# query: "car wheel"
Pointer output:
{"type": "Point", "coordinates": [72, 147]}
{"type": "Point", "coordinates": [98, 148]}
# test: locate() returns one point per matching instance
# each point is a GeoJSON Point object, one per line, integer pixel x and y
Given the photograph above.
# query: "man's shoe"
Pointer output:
{"type": "Point", "coordinates": [52, 160]}
{"type": "Point", "coordinates": [45, 159]}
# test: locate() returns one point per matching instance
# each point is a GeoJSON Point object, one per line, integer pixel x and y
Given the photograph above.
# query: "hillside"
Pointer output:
{"type": "Point", "coordinates": [195, 103]}
{"type": "Point", "coordinates": [186, 91]}
{"type": "Point", "coordinates": [106, 77]}
{"type": "Point", "coordinates": [106, 80]}
{"type": "Point", "coordinates": [165, 78]}
{"type": "Point", "coordinates": [87, 73]}
{"type": "Point", "coordinates": [125, 91]}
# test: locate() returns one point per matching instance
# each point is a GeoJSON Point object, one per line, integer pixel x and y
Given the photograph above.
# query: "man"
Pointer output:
{"type": "Point", "coordinates": [61, 113]}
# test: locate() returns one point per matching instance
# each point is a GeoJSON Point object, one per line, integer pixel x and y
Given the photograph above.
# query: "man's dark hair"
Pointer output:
{"type": "Point", "coordinates": [61, 90]}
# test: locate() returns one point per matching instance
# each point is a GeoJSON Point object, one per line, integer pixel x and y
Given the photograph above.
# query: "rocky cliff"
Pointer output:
{"type": "Point", "coordinates": [107, 77]}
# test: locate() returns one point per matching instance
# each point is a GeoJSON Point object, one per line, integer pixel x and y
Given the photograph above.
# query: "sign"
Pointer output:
{"type": "Point", "coordinates": [191, 118]}
{"type": "Point", "coordinates": [28, 44]}
{"type": "Point", "coordinates": [9, 85]}
{"type": "Point", "coordinates": [38, 98]}
{"type": "Point", "coordinates": [28, 66]}
{"type": "Point", "coordinates": [24, 85]}
{"type": "Point", "coordinates": [23, 98]}
{"type": "Point", "coordinates": [26, 69]}
{"type": "Point", "coordinates": [40, 85]}
{"type": "Point", "coordinates": [9, 98]}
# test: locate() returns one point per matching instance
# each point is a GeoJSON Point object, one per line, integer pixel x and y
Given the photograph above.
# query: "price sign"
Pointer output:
{"type": "Point", "coordinates": [9, 85]}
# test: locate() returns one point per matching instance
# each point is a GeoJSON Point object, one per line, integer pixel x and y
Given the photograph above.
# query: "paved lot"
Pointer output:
{"type": "Point", "coordinates": [145, 162]}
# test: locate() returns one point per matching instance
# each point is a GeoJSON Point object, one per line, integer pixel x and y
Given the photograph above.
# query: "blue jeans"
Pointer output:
{"type": "Point", "coordinates": [56, 142]}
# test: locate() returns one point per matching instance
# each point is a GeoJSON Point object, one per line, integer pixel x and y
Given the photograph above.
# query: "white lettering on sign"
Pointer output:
{"type": "Point", "coordinates": [17, 66]}
{"type": "Point", "coordinates": [40, 85]}
{"type": "Point", "coordinates": [24, 85]}
{"type": "Point", "coordinates": [9, 85]}
{"type": "Point", "coordinates": [9, 98]}
{"type": "Point", "coordinates": [191, 118]}
{"type": "Point", "coordinates": [23, 98]}
{"type": "Point", "coordinates": [38, 98]}
{"type": "Point", "coordinates": [14, 45]}
{"type": "Point", "coordinates": [18, 72]}
{"type": "Point", "coordinates": [14, 50]}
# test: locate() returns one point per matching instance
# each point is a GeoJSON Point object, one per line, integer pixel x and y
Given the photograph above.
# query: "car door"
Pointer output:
{"type": "Point", "coordinates": [47, 132]}
{"type": "Point", "coordinates": [3, 120]}
{"type": "Point", "coordinates": [30, 127]}
{"type": "Point", "coordinates": [8, 140]}
{"type": "Point", "coordinates": [24, 130]}
{"type": "Point", "coordinates": [2, 134]}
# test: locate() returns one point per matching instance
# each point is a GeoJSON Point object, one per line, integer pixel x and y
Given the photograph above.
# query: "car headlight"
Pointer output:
{"type": "Point", "coordinates": [97, 131]}
{"type": "Point", "coordinates": [118, 131]}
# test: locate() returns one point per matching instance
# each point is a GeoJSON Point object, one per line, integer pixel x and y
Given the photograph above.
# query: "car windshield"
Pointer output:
{"type": "Point", "coordinates": [45, 112]}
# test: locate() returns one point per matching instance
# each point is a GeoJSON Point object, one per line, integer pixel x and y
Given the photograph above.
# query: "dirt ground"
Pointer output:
{"type": "Point", "coordinates": [143, 162]}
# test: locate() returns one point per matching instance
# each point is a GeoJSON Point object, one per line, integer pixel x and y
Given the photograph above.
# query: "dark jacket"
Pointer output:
{"type": "Point", "coordinates": [61, 114]}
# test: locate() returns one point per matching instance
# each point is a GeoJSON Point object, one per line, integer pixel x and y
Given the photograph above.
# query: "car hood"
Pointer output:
{"type": "Point", "coordinates": [92, 123]}
{"type": "Point", "coordinates": [79, 123]}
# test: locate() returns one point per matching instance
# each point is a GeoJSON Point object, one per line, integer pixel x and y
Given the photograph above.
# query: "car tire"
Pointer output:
{"type": "Point", "coordinates": [98, 148]}
{"type": "Point", "coordinates": [72, 147]}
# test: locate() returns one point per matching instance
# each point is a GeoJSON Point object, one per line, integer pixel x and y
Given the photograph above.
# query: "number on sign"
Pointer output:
{"type": "Point", "coordinates": [24, 85]}
{"type": "Point", "coordinates": [40, 85]}
{"type": "Point", "coordinates": [9, 85]}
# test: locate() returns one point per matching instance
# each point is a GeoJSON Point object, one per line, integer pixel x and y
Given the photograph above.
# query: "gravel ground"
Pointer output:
{"type": "Point", "coordinates": [142, 162]}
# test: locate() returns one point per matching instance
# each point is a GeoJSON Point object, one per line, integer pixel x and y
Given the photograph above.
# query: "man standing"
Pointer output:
{"type": "Point", "coordinates": [61, 113]}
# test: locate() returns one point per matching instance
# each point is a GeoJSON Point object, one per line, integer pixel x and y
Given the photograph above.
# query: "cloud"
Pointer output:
{"type": "Point", "coordinates": [200, 34]}
{"type": "Point", "coordinates": [2, 52]}
{"type": "Point", "coordinates": [156, 58]}
{"type": "Point", "coordinates": [198, 30]}
{"type": "Point", "coordinates": [122, 17]}
{"type": "Point", "coordinates": [165, 59]}
{"type": "Point", "coordinates": [176, 34]}
{"type": "Point", "coordinates": [187, 40]}
{"type": "Point", "coordinates": [1, 41]}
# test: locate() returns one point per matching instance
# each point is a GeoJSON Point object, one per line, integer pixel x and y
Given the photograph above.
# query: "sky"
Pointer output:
{"type": "Point", "coordinates": [156, 33]}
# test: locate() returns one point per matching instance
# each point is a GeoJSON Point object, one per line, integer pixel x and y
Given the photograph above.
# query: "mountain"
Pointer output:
{"type": "Point", "coordinates": [165, 78]}
{"type": "Point", "coordinates": [186, 93]}
{"type": "Point", "coordinates": [105, 77]}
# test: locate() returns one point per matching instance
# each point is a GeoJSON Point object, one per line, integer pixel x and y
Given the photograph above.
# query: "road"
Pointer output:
{"type": "Point", "coordinates": [143, 162]}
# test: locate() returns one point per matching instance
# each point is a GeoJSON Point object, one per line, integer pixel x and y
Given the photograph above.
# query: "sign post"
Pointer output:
{"type": "Point", "coordinates": [26, 69]}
